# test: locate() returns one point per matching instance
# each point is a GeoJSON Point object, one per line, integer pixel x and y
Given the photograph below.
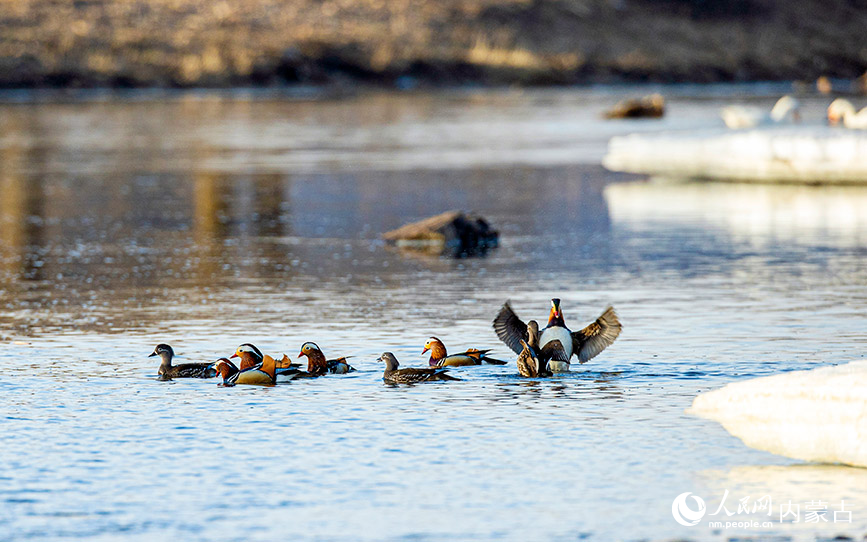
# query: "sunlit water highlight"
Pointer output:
{"type": "Point", "coordinates": [207, 221]}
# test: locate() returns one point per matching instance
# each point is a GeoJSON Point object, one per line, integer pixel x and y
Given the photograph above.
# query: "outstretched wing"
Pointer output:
{"type": "Point", "coordinates": [510, 329]}
{"type": "Point", "coordinates": [596, 337]}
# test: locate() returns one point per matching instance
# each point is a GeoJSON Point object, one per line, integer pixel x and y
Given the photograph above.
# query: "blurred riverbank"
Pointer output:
{"type": "Point", "coordinates": [192, 43]}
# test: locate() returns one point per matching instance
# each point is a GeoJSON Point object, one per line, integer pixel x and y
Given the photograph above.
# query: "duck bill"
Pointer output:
{"type": "Point", "coordinates": [235, 355]}
{"type": "Point", "coordinates": [425, 349]}
{"type": "Point", "coordinates": [301, 355]}
{"type": "Point", "coordinates": [154, 353]}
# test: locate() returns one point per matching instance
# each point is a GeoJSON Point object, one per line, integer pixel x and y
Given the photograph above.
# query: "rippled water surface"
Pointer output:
{"type": "Point", "coordinates": [205, 221]}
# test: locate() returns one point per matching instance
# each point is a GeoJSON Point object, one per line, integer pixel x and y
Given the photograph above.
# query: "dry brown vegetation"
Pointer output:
{"type": "Point", "coordinates": [241, 42]}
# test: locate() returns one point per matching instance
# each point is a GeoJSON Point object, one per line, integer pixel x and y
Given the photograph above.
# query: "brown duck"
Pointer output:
{"type": "Point", "coordinates": [439, 357]}
{"type": "Point", "coordinates": [585, 344]}
{"type": "Point", "coordinates": [317, 364]}
{"type": "Point", "coordinates": [532, 362]}
{"type": "Point", "coordinates": [168, 371]}
{"type": "Point", "coordinates": [393, 375]}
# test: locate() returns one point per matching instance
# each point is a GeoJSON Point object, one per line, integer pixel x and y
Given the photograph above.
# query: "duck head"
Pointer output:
{"type": "Point", "coordinates": [165, 353]}
{"type": "Point", "coordinates": [436, 347]}
{"type": "Point", "coordinates": [309, 349]}
{"type": "Point", "coordinates": [225, 368]}
{"type": "Point", "coordinates": [315, 357]}
{"type": "Point", "coordinates": [249, 354]}
{"type": "Point", "coordinates": [532, 334]}
{"type": "Point", "coordinates": [390, 361]}
{"type": "Point", "coordinates": [163, 350]}
{"type": "Point", "coordinates": [555, 317]}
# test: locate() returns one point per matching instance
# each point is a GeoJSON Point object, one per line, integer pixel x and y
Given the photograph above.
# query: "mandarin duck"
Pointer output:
{"type": "Point", "coordinates": [439, 357]}
{"type": "Point", "coordinates": [531, 362]}
{"type": "Point", "coordinates": [168, 371]}
{"type": "Point", "coordinates": [394, 375]}
{"type": "Point", "coordinates": [251, 357]}
{"type": "Point", "coordinates": [584, 344]}
{"type": "Point", "coordinates": [263, 373]}
{"type": "Point", "coordinates": [317, 365]}
{"type": "Point", "coordinates": [227, 371]}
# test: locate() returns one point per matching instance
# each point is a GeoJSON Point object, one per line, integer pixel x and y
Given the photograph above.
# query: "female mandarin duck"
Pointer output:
{"type": "Point", "coordinates": [256, 368]}
{"type": "Point", "coordinates": [393, 375]}
{"type": "Point", "coordinates": [317, 364]}
{"type": "Point", "coordinates": [531, 362]}
{"type": "Point", "coordinates": [585, 344]}
{"type": "Point", "coordinates": [439, 357]}
{"type": "Point", "coordinates": [185, 370]}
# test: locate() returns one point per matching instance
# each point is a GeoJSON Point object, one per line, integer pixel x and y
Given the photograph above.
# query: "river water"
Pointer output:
{"type": "Point", "coordinates": [206, 220]}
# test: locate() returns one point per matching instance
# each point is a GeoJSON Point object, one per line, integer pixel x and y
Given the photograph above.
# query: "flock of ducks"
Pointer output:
{"type": "Point", "coordinates": [786, 110]}
{"type": "Point", "coordinates": [541, 353]}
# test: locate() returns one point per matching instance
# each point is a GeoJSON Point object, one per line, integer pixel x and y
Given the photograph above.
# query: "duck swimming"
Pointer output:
{"type": "Point", "coordinates": [317, 364]}
{"type": "Point", "coordinates": [439, 357]}
{"type": "Point", "coordinates": [531, 363]}
{"type": "Point", "coordinates": [249, 355]}
{"type": "Point", "coordinates": [263, 374]}
{"type": "Point", "coordinates": [585, 344]}
{"type": "Point", "coordinates": [227, 371]}
{"type": "Point", "coordinates": [168, 371]}
{"type": "Point", "coordinates": [394, 375]}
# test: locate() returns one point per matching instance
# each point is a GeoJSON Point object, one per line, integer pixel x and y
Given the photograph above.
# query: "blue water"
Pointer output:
{"type": "Point", "coordinates": [206, 221]}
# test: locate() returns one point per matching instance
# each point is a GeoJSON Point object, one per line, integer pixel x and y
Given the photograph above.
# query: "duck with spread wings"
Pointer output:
{"type": "Point", "coordinates": [584, 344]}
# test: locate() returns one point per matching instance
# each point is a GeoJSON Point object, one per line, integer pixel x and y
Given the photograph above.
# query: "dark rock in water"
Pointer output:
{"type": "Point", "coordinates": [452, 233]}
{"type": "Point", "coordinates": [651, 107]}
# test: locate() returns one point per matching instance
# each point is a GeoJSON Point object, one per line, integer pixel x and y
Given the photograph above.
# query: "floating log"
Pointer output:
{"type": "Point", "coordinates": [804, 154]}
{"type": "Point", "coordinates": [651, 107]}
{"type": "Point", "coordinates": [452, 232]}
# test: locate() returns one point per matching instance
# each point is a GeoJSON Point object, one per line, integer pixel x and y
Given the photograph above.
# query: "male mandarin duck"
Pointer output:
{"type": "Point", "coordinates": [257, 368]}
{"type": "Point", "coordinates": [227, 371]}
{"type": "Point", "coordinates": [249, 355]}
{"type": "Point", "coordinates": [531, 361]}
{"type": "Point", "coordinates": [168, 371]}
{"type": "Point", "coordinates": [252, 357]}
{"type": "Point", "coordinates": [584, 344]}
{"type": "Point", "coordinates": [393, 375]}
{"type": "Point", "coordinates": [439, 357]}
{"type": "Point", "coordinates": [317, 364]}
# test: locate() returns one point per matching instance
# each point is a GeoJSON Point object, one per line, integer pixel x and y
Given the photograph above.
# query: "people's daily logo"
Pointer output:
{"type": "Point", "coordinates": [685, 515]}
